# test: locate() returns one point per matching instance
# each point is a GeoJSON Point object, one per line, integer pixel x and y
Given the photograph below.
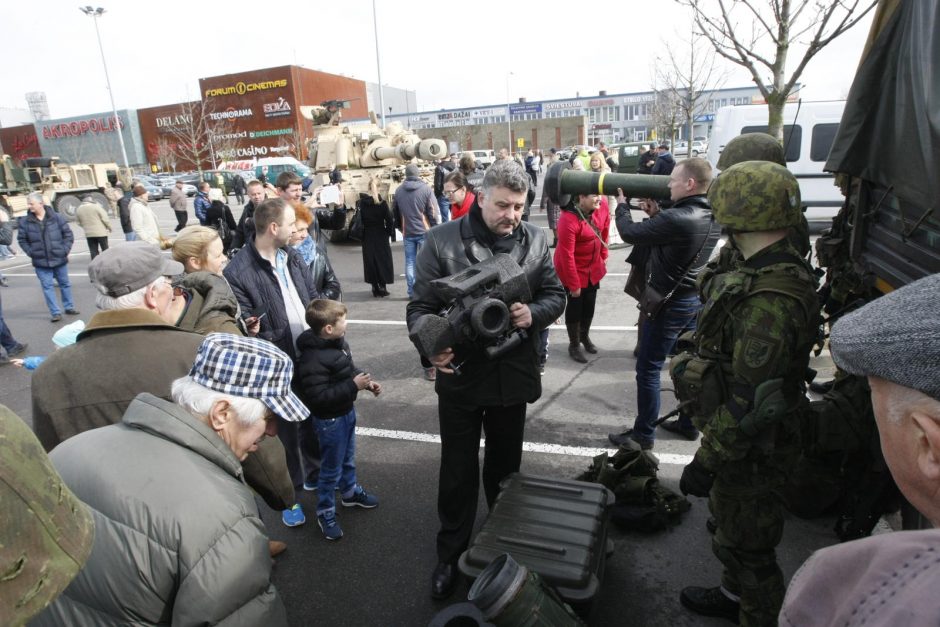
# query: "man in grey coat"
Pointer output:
{"type": "Point", "coordinates": [889, 578]}
{"type": "Point", "coordinates": [416, 211]}
{"type": "Point", "coordinates": [178, 539]}
{"type": "Point", "coordinates": [178, 204]}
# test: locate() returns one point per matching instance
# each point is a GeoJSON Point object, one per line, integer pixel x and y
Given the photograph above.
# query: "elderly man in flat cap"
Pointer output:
{"type": "Point", "coordinates": [887, 579]}
{"type": "Point", "coordinates": [178, 539]}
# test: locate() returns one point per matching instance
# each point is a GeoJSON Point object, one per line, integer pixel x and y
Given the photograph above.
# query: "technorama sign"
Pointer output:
{"type": "Point", "coordinates": [241, 88]}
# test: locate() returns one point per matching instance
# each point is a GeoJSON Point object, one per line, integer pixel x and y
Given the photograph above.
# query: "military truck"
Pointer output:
{"type": "Point", "coordinates": [63, 186]}
{"type": "Point", "coordinates": [370, 159]}
{"type": "Point", "coordinates": [886, 155]}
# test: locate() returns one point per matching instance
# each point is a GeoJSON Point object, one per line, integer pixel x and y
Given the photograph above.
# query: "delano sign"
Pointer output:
{"type": "Point", "coordinates": [241, 88]}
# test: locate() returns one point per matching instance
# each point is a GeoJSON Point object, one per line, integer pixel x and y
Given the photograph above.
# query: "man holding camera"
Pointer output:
{"type": "Point", "coordinates": [474, 391]}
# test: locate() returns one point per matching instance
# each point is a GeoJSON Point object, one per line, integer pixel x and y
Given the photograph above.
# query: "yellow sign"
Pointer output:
{"type": "Point", "coordinates": [241, 88]}
{"type": "Point", "coordinates": [520, 143]}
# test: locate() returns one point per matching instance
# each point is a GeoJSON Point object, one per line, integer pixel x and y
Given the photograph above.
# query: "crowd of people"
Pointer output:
{"type": "Point", "coordinates": [218, 356]}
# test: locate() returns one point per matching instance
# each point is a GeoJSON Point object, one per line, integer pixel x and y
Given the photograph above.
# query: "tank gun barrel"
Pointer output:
{"type": "Point", "coordinates": [561, 182]}
{"type": "Point", "coordinates": [427, 149]}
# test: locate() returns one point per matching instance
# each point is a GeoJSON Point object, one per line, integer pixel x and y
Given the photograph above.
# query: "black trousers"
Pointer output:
{"type": "Point", "coordinates": [459, 483]}
{"type": "Point", "coordinates": [182, 217]}
{"type": "Point", "coordinates": [302, 449]}
{"type": "Point", "coordinates": [581, 309]}
{"type": "Point", "coordinates": [96, 245]}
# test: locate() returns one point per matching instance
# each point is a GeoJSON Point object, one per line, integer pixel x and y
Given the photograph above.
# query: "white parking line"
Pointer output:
{"type": "Point", "coordinates": [672, 459]}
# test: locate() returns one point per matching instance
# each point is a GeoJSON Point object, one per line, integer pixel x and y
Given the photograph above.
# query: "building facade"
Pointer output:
{"type": "Point", "coordinates": [92, 138]}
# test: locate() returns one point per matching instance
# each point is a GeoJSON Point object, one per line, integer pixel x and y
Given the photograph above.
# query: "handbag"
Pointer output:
{"type": "Point", "coordinates": [356, 229]}
{"type": "Point", "coordinates": [652, 301]}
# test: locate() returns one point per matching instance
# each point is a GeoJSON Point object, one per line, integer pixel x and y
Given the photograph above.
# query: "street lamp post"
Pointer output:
{"type": "Point", "coordinates": [378, 64]}
{"type": "Point", "coordinates": [509, 113]}
{"type": "Point", "coordinates": [95, 14]}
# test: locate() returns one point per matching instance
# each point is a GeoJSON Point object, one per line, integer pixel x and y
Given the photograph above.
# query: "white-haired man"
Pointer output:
{"type": "Point", "coordinates": [888, 579]}
{"type": "Point", "coordinates": [178, 539]}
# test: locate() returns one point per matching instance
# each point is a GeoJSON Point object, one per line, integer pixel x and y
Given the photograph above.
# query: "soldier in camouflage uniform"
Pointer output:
{"type": "Point", "coordinates": [744, 386]}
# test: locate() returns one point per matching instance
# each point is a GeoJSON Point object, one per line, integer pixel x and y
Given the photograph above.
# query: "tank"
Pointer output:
{"type": "Point", "coordinates": [370, 159]}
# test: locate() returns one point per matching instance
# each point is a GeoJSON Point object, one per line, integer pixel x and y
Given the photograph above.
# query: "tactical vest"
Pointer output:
{"type": "Point", "coordinates": [703, 377]}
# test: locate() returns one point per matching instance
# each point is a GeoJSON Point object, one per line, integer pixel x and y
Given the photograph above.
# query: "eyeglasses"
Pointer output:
{"type": "Point", "coordinates": [452, 192]}
{"type": "Point", "coordinates": [178, 290]}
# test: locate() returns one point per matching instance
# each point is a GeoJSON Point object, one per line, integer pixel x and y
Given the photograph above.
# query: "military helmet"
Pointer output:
{"type": "Point", "coordinates": [751, 147]}
{"type": "Point", "coordinates": [46, 533]}
{"type": "Point", "coordinates": [756, 196]}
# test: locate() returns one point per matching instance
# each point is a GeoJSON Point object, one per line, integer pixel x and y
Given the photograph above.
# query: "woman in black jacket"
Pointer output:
{"type": "Point", "coordinates": [378, 228]}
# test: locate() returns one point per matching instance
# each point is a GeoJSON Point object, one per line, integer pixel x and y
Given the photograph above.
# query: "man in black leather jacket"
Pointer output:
{"type": "Point", "coordinates": [488, 393]}
{"type": "Point", "coordinates": [681, 239]}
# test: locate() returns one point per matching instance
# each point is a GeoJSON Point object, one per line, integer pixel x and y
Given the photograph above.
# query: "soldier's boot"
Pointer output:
{"type": "Point", "coordinates": [585, 339]}
{"type": "Point", "coordinates": [574, 342]}
{"type": "Point", "coordinates": [710, 602]}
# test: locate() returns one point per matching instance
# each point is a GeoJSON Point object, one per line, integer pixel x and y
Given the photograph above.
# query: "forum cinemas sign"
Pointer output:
{"type": "Point", "coordinates": [241, 88]}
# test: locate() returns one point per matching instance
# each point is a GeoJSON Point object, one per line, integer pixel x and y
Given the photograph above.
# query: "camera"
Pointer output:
{"type": "Point", "coordinates": [477, 309]}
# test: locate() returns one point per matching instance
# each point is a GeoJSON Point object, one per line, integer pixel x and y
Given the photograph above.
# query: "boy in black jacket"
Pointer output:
{"type": "Point", "coordinates": [328, 382]}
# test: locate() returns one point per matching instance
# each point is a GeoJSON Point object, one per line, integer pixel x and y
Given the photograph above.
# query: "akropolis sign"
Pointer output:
{"type": "Point", "coordinates": [77, 128]}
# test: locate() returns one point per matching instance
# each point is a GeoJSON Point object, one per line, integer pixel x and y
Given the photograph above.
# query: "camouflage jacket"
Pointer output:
{"type": "Point", "coordinates": [756, 330]}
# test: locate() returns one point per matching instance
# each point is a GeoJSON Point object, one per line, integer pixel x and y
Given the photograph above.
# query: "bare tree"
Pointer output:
{"type": "Point", "coordinates": [666, 114]}
{"type": "Point", "coordinates": [762, 43]}
{"type": "Point", "coordinates": [164, 153]}
{"type": "Point", "coordinates": [691, 77]}
{"type": "Point", "coordinates": [189, 136]}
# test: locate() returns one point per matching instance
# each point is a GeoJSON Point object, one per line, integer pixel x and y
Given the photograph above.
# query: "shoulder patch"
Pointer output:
{"type": "Point", "coordinates": [758, 352]}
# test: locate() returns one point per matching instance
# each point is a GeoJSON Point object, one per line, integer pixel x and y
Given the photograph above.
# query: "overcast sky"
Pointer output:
{"type": "Point", "coordinates": [453, 54]}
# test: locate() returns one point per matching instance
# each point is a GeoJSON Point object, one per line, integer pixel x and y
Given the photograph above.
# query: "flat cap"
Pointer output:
{"type": "Point", "coordinates": [128, 267]}
{"type": "Point", "coordinates": [896, 338]}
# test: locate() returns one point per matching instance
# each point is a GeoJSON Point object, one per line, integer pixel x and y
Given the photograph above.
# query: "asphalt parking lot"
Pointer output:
{"type": "Point", "coordinates": [378, 574]}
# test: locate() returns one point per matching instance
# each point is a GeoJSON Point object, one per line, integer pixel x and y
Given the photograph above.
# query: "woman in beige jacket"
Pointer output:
{"type": "Point", "coordinates": [95, 223]}
{"type": "Point", "coordinates": [143, 220]}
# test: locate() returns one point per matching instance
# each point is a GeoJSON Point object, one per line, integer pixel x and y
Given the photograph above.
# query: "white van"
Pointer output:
{"type": "Point", "coordinates": [807, 145]}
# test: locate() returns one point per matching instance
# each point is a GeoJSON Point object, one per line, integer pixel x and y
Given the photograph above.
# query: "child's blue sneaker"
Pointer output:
{"type": "Point", "coordinates": [360, 498]}
{"type": "Point", "coordinates": [310, 487]}
{"type": "Point", "coordinates": [328, 525]}
{"type": "Point", "coordinates": [293, 517]}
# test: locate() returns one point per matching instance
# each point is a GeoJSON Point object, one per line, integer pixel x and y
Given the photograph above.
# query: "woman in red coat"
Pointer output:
{"type": "Point", "coordinates": [581, 263]}
{"type": "Point", "coordinates": [459, 195]}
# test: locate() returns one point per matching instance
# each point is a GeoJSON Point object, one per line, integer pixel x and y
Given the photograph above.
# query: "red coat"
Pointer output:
{"type": "Point", "coordinates": [457, 211]}
{"type": "Point", "coordinates": [580, 258]}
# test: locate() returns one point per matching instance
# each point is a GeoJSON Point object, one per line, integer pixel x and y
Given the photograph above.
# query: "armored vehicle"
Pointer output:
{"type": "Point", "coordinates": [370, 159]}
{"type": "Point", "coordinates": [63, 186]}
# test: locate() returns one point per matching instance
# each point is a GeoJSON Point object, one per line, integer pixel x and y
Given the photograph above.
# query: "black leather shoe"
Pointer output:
{"type": "Point", "coordinates": [72, 312]}
{"type": "Point", "coordinates": [711, 525]}
{"type": "Point", "coordinates": [627, 438]}
{"type": "Point", "coordinates": [821, 387]}
{"type": "Point", "coordinates": [673, 426]}
{"type": "Point", "coordinates": [443, 580]}
{"type": "Point", "coordinates": [710, 602]}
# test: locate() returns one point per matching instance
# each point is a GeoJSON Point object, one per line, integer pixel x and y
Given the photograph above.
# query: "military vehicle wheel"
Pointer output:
{"type": "Point", "coordinates": [67, 205]}
{"type": "Point", "coordinates": [102, 200]}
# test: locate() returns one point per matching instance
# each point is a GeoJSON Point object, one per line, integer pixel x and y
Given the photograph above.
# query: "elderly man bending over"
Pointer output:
{"type": "Point", "coordinates": [178, 539]}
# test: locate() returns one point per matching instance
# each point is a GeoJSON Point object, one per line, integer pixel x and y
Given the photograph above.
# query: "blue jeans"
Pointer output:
{"type": "Point", "coordinates": [6, 337]}
{"type": "Point", "coordinates": [337, 459]}
{"type": "Point", "coordinates": [130, 237]}
{"type": "Point", "coordinates": [658, 339]}
{"type": "Point", "coordinates": [61, 276]}
{"type": "Point", "coordinates": [413, 244]}
{"type": "Point", "coordinates": [444, 205]}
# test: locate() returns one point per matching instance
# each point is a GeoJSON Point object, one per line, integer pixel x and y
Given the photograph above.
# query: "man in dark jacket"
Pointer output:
{"type": "Point", "coordinates": [445, 167]}
{"type": "Point", "coordinates": [416, 211]}
{"type": "Point", "coordinates": [246, 225]}
{"type": "Point", "coordinates": [272, 283]}
{"type": "Point", "coordinates": [664, 161]}
{"type": "Point", "coordinates": [202, 202]}
{"type": "Point", "coordinates": [647, 159]}
{"type": "Point", "coordinates": [489, 394]}
{"type": "Point", "coordinates": [46, 238]}
{"type": "Point", "coordinates": [239, 187]}
{"type": "Point", "coordinates": [681, 239]}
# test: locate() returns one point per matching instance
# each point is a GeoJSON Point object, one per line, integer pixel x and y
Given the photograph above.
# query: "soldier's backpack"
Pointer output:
{"type": "Point", "coordinates": [642, 503]}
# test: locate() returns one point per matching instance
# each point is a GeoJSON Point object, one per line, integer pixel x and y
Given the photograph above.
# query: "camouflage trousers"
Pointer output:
{"type": "Point", "coordinates": [750, 524]}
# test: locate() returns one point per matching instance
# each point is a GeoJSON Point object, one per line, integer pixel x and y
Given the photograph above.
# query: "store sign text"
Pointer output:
{"type": "Point", "coordinates": [81, 127]}
{"type": "Point", "coordinates": [241, 88]}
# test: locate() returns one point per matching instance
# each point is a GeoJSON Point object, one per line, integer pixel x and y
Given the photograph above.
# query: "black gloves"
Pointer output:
{"type": "Point", "coordinates": [696, 480]}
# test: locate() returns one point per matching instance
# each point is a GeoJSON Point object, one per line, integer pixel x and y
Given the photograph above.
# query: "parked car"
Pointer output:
{"type": "Point", "coordinates": [154, 193]}
{"type": "Point", "coordinates": [681, 149]}
{"type": "Point", "coordinates": [484, 157]}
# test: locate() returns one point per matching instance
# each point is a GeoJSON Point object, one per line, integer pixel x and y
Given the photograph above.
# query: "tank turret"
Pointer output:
{"type": "Point", "coordinates": [370, 159]}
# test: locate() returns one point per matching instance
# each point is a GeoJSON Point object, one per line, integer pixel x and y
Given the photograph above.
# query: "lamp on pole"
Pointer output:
{"type": "Point", "coordinates": [508, 114]}
{"type": "Point", "coordinates": [378, 63]}
{"type": "Point", "coordinates": [95, 14]}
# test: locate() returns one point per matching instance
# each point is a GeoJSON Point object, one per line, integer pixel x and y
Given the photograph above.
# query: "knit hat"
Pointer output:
{"type": "Point", "coordinates": [896, 338]}
{"type": "Point", "coordinates": [251, 368]}
{"type": "Point", "coordinates": [412, 171]}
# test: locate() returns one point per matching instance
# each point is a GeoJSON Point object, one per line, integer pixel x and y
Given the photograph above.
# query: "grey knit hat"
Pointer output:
{"type": "Point", "coordinates": [896, 338]}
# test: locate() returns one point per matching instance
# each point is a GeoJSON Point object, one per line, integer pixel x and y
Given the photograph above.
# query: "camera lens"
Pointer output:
{"type": "Point", "coordinates": [490, 318]}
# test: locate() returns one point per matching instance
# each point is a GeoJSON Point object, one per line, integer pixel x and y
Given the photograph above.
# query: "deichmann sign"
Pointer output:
{"type": "Point", "coordinates": [78, 128]}
{"type": "Point", "coordinates": [242, 88]}
{"type": "Point", "coordinates": [271, 133]}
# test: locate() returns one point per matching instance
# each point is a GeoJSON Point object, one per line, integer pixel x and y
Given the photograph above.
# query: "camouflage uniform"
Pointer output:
{"type": "Point", "coordinates": [744, 382]}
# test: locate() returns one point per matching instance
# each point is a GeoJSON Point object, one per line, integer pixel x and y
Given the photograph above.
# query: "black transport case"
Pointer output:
{"type": "Point", "coordinates": [555, 527]}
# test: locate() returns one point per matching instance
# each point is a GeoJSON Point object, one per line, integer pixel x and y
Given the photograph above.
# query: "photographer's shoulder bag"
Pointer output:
{"type": "Point", "coordinates": [652, 301]}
